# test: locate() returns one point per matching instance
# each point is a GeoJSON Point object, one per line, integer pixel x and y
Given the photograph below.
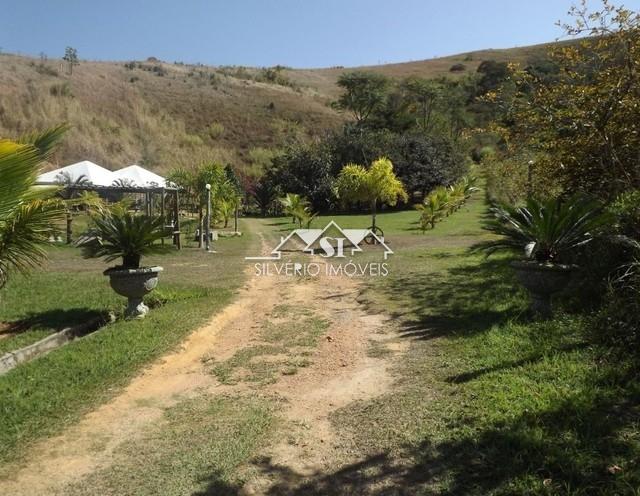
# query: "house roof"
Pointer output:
{"type": "Point", "coordinates": [139, 176]}
{"type": "Point", "coordinates": [97, 175]}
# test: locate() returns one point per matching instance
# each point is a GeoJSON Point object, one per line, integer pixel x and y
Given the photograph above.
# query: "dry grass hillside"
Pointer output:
{"type": "Point", "coordinates": [156, 114]}
{"type": "Point", "coordinates": [324, 80]}
{"type": "Point", "coordinates": [162, 115]}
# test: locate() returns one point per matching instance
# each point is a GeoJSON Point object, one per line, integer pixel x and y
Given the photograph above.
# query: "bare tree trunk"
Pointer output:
{"type": "Point", "coordinates": [373, 214]}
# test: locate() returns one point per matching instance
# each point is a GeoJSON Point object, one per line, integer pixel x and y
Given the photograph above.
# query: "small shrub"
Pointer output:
{"type": "Point", "coordinates": [443, 201]}
{"type": "Point", "coordinates": [480, 155]}
{"type": "Point", "coordinates": [46, 70]}
{"type": "Point", "coordinates": [191, 140]}
{"type": "Point", "coordinates": [216, 130]}
{"type": "Point", "coordinates": [62, 90]}
{"type": "Point", "coordinates": [458, 68]}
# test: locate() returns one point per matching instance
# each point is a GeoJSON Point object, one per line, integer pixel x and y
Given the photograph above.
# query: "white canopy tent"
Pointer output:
{"type": "Point", "coordinates": [133, 180]}
{"type": "Point", "coordinates": [134, 175]}
{"type": "Point", "coordinates": [93, 173]}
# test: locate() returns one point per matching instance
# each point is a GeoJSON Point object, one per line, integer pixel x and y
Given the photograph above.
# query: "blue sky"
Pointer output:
{"type": "Point", "coordinates": [298, 33]}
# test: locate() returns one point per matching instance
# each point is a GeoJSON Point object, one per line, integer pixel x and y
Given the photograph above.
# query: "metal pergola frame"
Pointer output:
{"type": "Point", "coordinates": [148, 195]}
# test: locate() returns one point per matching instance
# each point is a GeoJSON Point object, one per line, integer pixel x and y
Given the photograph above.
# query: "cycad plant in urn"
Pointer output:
{"type": "Point", "coordinates": [116, 232]}
{"type": "Point", "coordinates": [547, 234]}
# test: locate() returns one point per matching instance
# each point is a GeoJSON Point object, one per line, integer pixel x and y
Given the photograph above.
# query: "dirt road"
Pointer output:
{"type": "Point", "coordinates": [310, 340]}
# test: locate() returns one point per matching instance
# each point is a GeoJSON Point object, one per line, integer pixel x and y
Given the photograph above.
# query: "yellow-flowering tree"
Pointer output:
{"type": "Point", "coordinates": [583, 123]}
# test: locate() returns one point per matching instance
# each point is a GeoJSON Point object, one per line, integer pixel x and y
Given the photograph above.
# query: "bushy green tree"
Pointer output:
{"type": "Point", "coordinates": [363, 94]}
{"type": "Point", "coordinates": [305, 170]}
{"type": "Point", "coordinates": [423, 96]}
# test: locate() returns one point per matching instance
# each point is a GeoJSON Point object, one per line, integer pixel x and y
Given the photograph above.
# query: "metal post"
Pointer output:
{"type": "Point", "coordinates": [176, 225]}
{"type": "Point", "coordinates": [208, 219]}
{"type": "Point", "coordinates": [235, 220]}
{"type": "Point", "coordinates": [164, 221]}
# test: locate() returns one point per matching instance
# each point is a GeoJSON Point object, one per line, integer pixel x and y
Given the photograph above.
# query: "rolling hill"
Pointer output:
{"type": "Point", "coordinates": [162, 115]}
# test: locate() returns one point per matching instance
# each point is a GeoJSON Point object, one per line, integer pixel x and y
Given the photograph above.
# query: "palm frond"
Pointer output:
{"type": "Point", "coordinates": [27, 212]}
{"type": "Point", "coordinates": [117, 232]}
{"type": "Point", "coordinates": [551, 228]}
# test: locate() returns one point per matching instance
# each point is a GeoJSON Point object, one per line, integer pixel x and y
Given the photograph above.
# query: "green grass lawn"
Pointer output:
{"type": "Point", "coordinates": [487, 401]}
{"type": "Point", "coordinates": [39, 397]}
{"type": "Point", "coordinates": [195, 450]}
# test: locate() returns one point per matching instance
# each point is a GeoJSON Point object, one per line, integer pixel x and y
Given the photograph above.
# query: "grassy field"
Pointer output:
{"type": "Point", "coordinates": [487, 401]}
{"type": "Point", "coordinates": [208, 436]}
{"type": "Point", "coordinates": [40, 397]}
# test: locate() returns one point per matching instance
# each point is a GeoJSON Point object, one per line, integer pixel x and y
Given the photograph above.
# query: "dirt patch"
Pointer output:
{"type": "Point", "coordinates": [65, 458]}
{"type": "Point", "coordinates": [312, 370]}
{"type": "Point", "coordinates": [9, 329]}
{"type": "Point", "coordinates": [341, 372]}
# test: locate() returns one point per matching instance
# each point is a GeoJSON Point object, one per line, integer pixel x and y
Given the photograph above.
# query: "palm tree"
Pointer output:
{"type": "Point", "coordinates": [28, 213]}
{"type": "Point", "coordinates": [293, 204]}
{"type": "Point", "coordinates": [69, 183]}
{"type": "Point", "coordinates": [376, 185]}
{"type": "Point", "coordinates": [264, 195]}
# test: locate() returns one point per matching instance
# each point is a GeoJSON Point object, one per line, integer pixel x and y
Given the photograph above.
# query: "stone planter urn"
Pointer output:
{"type": "Point", "coordinates": [542, 280]}
{"type": "Point", "coordinates": [134, 284]}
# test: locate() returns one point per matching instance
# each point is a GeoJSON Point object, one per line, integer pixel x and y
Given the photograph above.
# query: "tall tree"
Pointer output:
{"type": "Point", "coordinates": [422, 95]}
{"type": "Point", "coordinates": [363, 93]}
{"type": "Point", "coordinates": [71, 58]}
{"type": "Point", "coordinates": [584, 125]}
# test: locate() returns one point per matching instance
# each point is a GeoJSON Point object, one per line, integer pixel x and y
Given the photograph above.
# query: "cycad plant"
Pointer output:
{"type": "Point", "coordinates": [117, 232]}
{"type": "Point", "coordinates": [28, 213]}
{"type": "Point", "coordinates": [544, 231]}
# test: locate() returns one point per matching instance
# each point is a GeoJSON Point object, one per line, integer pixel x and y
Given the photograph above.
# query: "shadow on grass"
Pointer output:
{"type": "Point", "coordinates": [60, 319]}
{"type": "Point", "coordinates": [567, 449]}
{"type": "Point", "coordinates": [511, 364]}
{"type": "Point", "coordinates": [460, 300]}
{"type": "Point", "coordinates": [279, 223]}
